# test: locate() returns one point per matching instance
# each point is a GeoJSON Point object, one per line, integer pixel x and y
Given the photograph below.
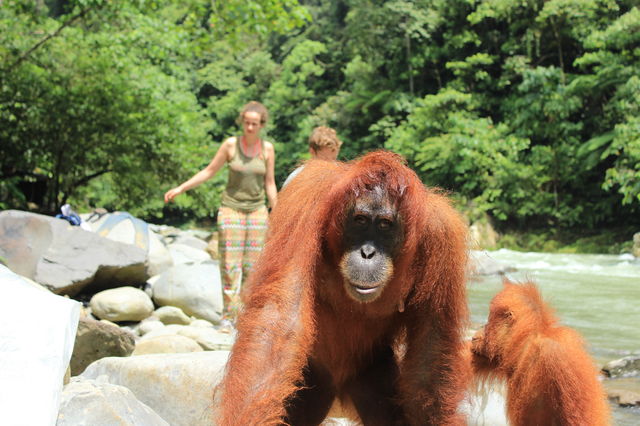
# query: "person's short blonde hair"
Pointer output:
{"type": "Point", "coordinates": [322, 137]}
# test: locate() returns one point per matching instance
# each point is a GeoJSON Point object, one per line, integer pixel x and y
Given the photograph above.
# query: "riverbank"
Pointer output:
{"type": "Point", "coordinates": [618, 240]}
{"type": "Point", "coordinates": [613, 240]}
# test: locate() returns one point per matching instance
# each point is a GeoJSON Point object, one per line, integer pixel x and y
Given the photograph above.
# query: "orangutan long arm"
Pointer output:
{"type": "Point", "coordinates": [268, 357]}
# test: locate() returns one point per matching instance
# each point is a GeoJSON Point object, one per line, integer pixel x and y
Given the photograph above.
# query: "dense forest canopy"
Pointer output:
{"type": "Point", "coordinates": [528, 111]}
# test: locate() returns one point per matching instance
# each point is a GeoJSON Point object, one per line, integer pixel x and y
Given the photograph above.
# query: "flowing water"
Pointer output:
{"type": "Point", "coordinates": [598, 295]}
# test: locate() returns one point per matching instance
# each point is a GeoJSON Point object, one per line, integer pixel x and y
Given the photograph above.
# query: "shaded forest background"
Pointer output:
{"type": "Point", "coordinates": [527, 110]}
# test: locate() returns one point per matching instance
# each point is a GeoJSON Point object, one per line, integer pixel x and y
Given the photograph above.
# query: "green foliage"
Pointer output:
{"type": "Point", "coordinates": [93, 103]}
{"type": "Point", "coordinates": [471, 72]}
{"type": "Point", "coordinates": [452, 147]}
{"type": "Point", "coordinates": [615, 60]}
{"type": "Point", "coordinates": [106, 113]}
{"type": "Point", "coordinates": [233, 18]}
{"type": "Point", "coordinates": [616, 240]}
{"type": "Point", "coordinates": [625, 174]}
{"type": "Point", "coordinates": [292, 98]}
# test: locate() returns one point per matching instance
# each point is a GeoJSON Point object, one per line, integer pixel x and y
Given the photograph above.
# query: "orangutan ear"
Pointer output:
{"type": "Point", "coordinates": [509, 316]}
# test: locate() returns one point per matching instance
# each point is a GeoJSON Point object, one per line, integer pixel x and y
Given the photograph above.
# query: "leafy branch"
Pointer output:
{"type": "Point", "coordinates": [48, 37]}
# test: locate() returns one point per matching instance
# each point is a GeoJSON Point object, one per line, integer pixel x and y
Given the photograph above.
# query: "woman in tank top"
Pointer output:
{"type": "Point", "coordinates": [242, 217]}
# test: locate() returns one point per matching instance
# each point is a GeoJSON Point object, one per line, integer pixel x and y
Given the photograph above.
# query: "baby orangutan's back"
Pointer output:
{"type": "Point", "coordinates": [551, 380]}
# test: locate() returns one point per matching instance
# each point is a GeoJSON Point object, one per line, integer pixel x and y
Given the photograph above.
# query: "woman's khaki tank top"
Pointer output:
{"type": "Point", "coordinates": [245, 186]}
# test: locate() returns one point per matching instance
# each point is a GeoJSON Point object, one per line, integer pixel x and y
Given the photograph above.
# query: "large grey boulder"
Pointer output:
{"type": "Point", "coordinates": [194, 288]}
{"type": "Point", "coordinates": [182, 253]}
{"type": "Point", "coordinates": [124, 231]}
{"type": "Point", "coordinates": [90, 402]}
{"type": "Point", "coordinates": [66, 258]}
{"type": "Point", "coordinates": [34, 350]}
{"type": "Point", "coordinates": [186, 239]}
{"type": "Point", "coordinates": [208, 337]}
{"type": "Point", "coordinates": [198, 233]}
{"type": "Point", "coordinates": [179, 387]}
{"type": "Point", "coordinates": [97, 339]}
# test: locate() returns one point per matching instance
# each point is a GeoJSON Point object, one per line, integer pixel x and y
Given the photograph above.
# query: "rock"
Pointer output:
{"type": "Point", "coordinates": [624, 398]}
{"type": "Point", "coordinates": [164, 230]}
{"type": "Point", "coordinates": [169, 344]}
{"type": "Point", "coordinates": [195, 289]}
{"type": "Point", "coordinates": [186, 239]}
{"type": "Point", "coordinates": [37, 329]}
{"type": "Point", "coordinates": [485, 405]}
{"type": "Point", "coordinates": [208, 338]}
{"type": "Point", "coordinates": [342, 413]}
{"type": "Point", "coordinates": [164, 331]}
{"type": "Point", "coordinates": [36, 285]}
{"type": "Point", "coordinates": [636, 244]}
{"type": "Point", "coordinates": [178, 387]}
{"type": "Point", "coordinates": [212, 247]}
{"type": "Point", "coordinates": [481, 263]}
{"type": "Point", "coordinates": [89, 402]}
{"type": "Point", "coordinates": [201, 323]}
{"type": "Point", "coordinates": [182, 253]}
{"type": "Point", "coordinates": [148, 285]}
{"type": "Point", "coordinates": [107, 322]}
{"type": "Point", "coordinates": [85, 311]}
{"type": "Point", "coordinates": [121, 304]}
{"type": "Point", "coordinates": [66, 258]}
{"type": "Point", "coordinates": [623, 367]}
{"type": "Point", "coordinates": [95, 340]}
{"type": "Point", "coordinates": [482, 235]}
{"type": "Point", "coordinates": [148, 325]}
{"type": "Point", "coordinates": [198, 233]}
{"type": "Point", "coordinates": [159, 258]}
{"type": "Point", "coordinates": [172, 315]}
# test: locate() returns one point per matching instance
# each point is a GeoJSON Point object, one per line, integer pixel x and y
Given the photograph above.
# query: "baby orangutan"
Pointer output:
{"type": "Point", "coordinates": [550, 378]}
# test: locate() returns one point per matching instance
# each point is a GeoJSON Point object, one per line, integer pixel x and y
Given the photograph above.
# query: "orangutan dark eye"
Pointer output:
{"type": "Point", "coordinates": [361, 220]}
{"type": "Point", "coordinates": [385, 224]}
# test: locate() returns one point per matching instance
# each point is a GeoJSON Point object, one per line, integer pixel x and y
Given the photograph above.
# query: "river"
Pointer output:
{"type": "Point", "coordinates": [598, 295]}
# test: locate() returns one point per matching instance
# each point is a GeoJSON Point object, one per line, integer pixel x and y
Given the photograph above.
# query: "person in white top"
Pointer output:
{"type": "Point", "coordinates": [324, 144]}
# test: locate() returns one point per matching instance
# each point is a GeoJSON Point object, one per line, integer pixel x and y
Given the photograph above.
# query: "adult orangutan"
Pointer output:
{"type": "Point", "coordinates": [550, 378]}
{"type": "Point", "coordinates": [360, 295]}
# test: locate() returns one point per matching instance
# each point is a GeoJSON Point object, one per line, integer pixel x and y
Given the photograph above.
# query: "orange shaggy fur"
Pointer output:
{"type": "Point", "coordinates": [551, 380]}
{"type": "Point", "coordinates": [296, 311]}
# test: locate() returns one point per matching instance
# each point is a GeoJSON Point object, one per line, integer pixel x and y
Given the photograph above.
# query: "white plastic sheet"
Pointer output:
{"type": "Point", "coordinates": [37, 333]}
